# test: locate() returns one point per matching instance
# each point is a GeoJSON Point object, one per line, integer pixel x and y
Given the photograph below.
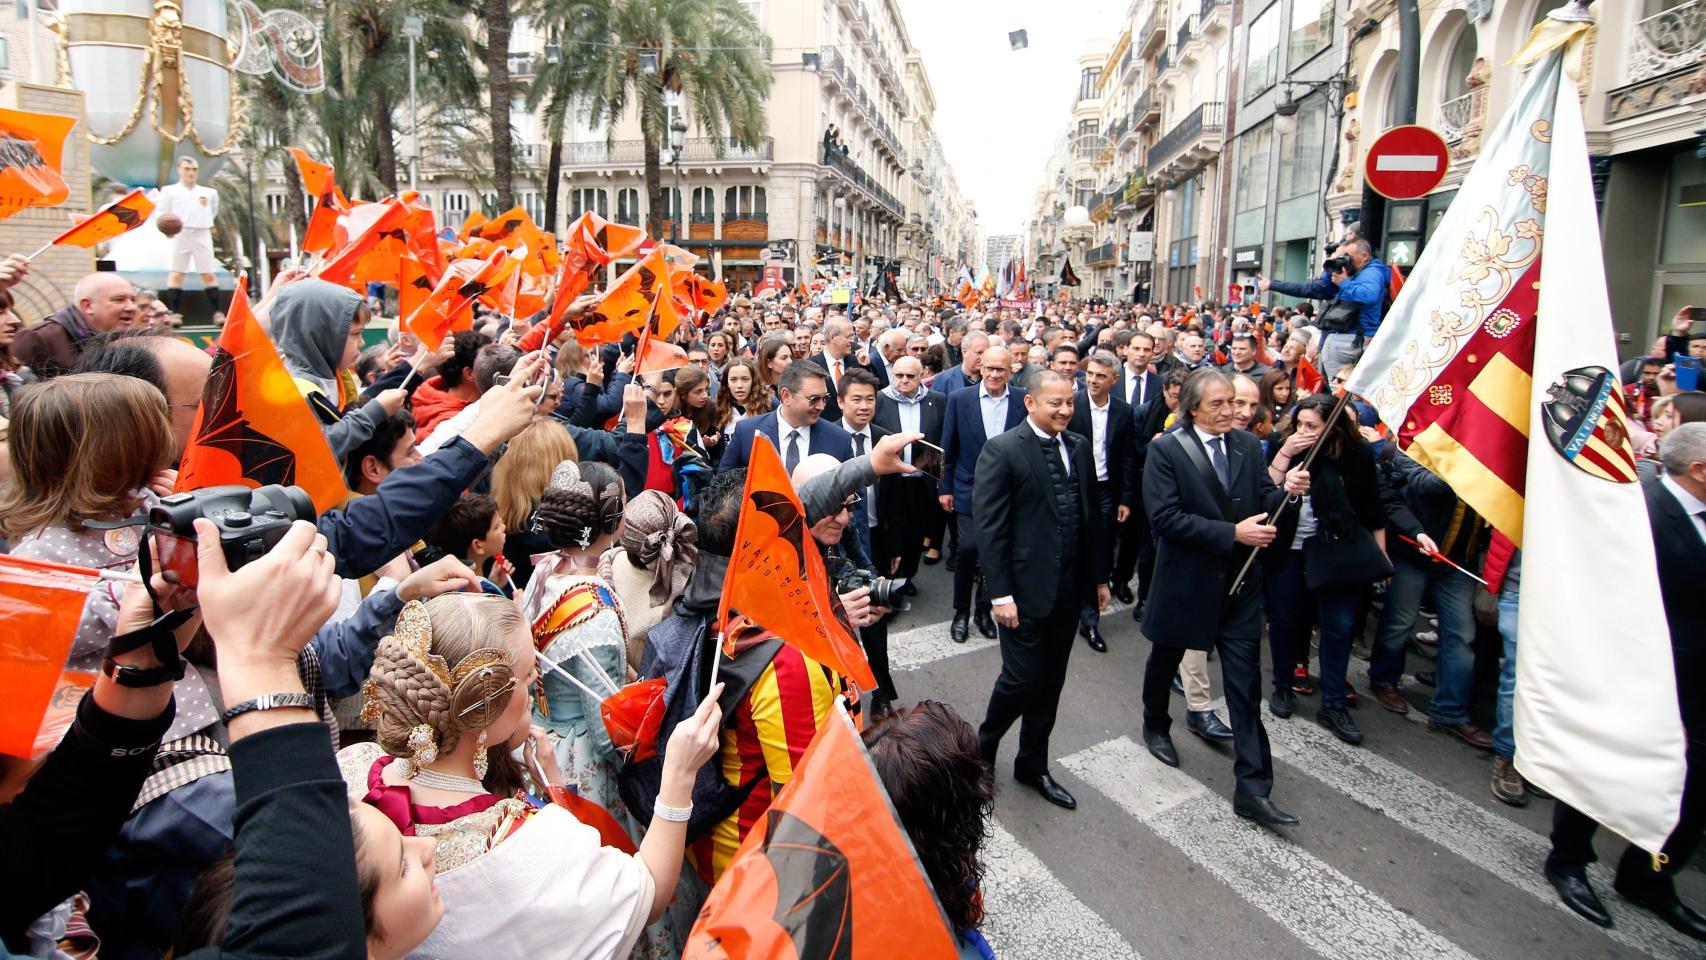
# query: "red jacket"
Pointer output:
{"type": "Point", "coordinates": [1500, 549]}
{"type": "Point", "coordinates": [433, 404]}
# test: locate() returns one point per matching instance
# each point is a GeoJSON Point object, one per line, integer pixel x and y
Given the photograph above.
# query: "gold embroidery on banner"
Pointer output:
{"type": "Point", "coordinates": [1532, 182]}
{"type": "Point", "coordinates": [1541, 130]}
{"type": "Point", "coordinates": [1440, 395]}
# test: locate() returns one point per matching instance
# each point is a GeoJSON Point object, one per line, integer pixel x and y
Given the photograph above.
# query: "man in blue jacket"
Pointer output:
{"type": "Point", "coordinates": [1364, 284]}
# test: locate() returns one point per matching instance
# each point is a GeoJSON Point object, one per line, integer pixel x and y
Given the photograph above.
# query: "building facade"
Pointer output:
{"type": "Point", "coordinates": [879, 195]}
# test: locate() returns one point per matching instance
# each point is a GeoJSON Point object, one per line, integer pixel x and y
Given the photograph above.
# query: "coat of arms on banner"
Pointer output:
{"type": "Point", "coordinates": [1586, 423]}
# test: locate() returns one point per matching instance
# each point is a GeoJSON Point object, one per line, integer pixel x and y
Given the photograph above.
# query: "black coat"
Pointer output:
{"type": "Point", "coordinates": [935, 409]}
{"type": "Point", "coordinates": [1681, 556]}
{"type": "Point", "coordinates": [1197, 556]}
{"type": "Point", "coordinates": [832, 407]}
{"type": "Point", "coordinates": [1122, 444]}
{"type": "Point", "coordinates": [1018, 540]}
{"type": "Point", "coordinates": [1151, 389]}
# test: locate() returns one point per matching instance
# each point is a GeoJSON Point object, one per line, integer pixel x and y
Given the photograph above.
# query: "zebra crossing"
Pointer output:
{"type": "Point", "coordinates": [1325, 904]}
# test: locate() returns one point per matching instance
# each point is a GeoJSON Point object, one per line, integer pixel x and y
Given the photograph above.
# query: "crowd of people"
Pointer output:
{"type": "Point", "coordinates": [386, 736]}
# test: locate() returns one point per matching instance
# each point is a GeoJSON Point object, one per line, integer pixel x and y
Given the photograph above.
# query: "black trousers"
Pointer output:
{"type": "Point", "coordinates": [1106, 509]}
{"type": "Point", "coordinates": [1033, 669]}
{"type": "Point", "coordinates": [1241, 682]}
{"type": "Point", "coordinates": [905, 514]}
{"type": "Point", "coordinates": [1135, 553]}
{"type": "Point", "coordinates": [965, 566]}
{"type": "Point", "coordinates": [1573, 832]}
{"type": "Point", "coordinates": [875, 639]}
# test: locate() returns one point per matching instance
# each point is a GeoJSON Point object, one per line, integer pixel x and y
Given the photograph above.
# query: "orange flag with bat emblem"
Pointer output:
{"type": "Point", "coordinates": [654, 355]}
{"type": "Point", "coordinates": [122, 215]}
{"type": "Point", "coordinates": [31, 148]}
{"type": "Point", "coordinates": [628, 305]}
{"type": "Point", "coordinates": [450, 306]}
{"type": "Point", "coordinates": [592, 242]}
{"type": "Point", "coordinates": [776, 577]}
{"type": "Point", "coordinates": [319, 180]}
{"type": "Point", "coordinates": [828, 872]}
{"type": "Point", "coordinates": [414, 285]}
{"type": "Point", "coordinates": [369, 228]}
{"type": "Point", "coordinates": [253, 426]}
{"type": "Point", "coordinates": [40, 606]}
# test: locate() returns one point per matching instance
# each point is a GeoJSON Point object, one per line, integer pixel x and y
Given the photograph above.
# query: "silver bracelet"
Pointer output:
{"type": "Point", "coordinates": [664, 811]}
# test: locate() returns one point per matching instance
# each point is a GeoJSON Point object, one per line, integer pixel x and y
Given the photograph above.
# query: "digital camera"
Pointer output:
{"type": "Point", "coordinates": [250, 523]}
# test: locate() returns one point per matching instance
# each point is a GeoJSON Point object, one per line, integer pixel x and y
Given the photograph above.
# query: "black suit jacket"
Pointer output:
{"type": "Point", "coordinates": [1682, 556]}
{"type": "Point", "coordinates": [1151, 389]}
{"type": "Point", "coordinates": [832, 408]}
{"type": "Point", "coordinates": [1122, 444]}
{"type": "Point", "coordinates": [934, 411]}
{"type": "Point", "coordinates": [1196, 556]}
{"type": "Point", "coordinates": [1018, 527]}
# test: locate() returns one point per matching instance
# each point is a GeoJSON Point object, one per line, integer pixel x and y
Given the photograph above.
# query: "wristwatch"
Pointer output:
{"type": "Point", "coordinates": [268, 701]}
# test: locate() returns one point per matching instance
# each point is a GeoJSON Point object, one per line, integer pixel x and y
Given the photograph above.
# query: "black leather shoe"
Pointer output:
{"type": "Point", "coordinates": [1178, 685]}
{"type": "Point", "coordinates": [1208, 725]}
{"type": "Point", "coordinates": [1122, 592]}
{"type": "Point", "coordinates": [950, 562]}
{"type": "Point", "coordinates": [1094, 636]}
{"type": "Point", "coordinates": [1052, 792]}
{"type": "Point", "coordinates": [1261, 810]}
{"type": "Point", "coordinates": [1338, 721]}
{"type": "Point", "coordinates": [881, 706]}
{"type": "Point", "coordinates": [1161, 747]}
{"type": "Point", "coordinates": [1137, 612]}
{"type": "Point", "coordinates": [1282, 702]}
{"type": "Point", "coordinates": [910, 590]}
{"type": "Point", "coordinates": [986, 624]}
{"type": "Point", "coordinates": [960, 628]}
{"type": "Point", "coordinates": [1662, 901]}
{"type": "Point", "coordinates": [1578, 895]}
{"type": "Point", "coordinates": [1427, 678]}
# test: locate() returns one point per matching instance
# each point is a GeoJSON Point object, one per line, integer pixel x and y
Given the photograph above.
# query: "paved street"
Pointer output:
{"type": "Point", "coordinates": [1402, 853]}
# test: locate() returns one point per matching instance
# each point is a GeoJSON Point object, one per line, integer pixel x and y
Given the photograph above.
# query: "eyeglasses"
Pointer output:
{"type": "Point", "coordinates": [852, 503]}
{"type": "Point", "coordinates": [904, 376]}
{"type": "Point", "coordinates": [816, 399]}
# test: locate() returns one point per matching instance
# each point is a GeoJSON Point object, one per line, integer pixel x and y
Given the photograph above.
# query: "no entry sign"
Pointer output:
{"type": "Point", "coordinates": [1406, 162]}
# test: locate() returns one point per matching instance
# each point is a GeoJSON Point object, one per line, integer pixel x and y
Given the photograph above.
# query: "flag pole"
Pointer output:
{"type": "Point", "coordinates": [716, 657]}
{"type": "Point", "coordinates": [40, 250]}
{"type": "Point", "coordinates": [552, 665]}
{"type": "Point", "coordinates": [1332, 419]}
{"type": "Point", "coordinates": [414, 368]}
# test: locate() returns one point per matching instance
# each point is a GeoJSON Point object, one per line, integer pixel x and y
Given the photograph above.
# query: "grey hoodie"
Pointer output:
{"type": "Point", "coordinates": [310, 323]}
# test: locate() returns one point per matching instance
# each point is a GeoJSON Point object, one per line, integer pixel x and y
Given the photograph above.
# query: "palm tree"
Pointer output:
{"type": "Point", "coordinates": [497, 16]}
{"type": "Point", "coordinates": [629, 53]}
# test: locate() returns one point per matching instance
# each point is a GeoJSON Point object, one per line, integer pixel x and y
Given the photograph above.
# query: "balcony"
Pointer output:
{"type": "Point", "coordinates": [1454, 116]}
{"type": "Point", "coordinates": [1100, 256]}
{"type": "Point", "coordinates": [1146, 112]}
{"type": "Point", "coordinates": [1216, 17]}
{"type": "Point", "coordinates": [1137, 189]}
{"type": "Point", "coordinates": [1163, 64]}
{"type": "Point", "coordinates": [1191, 142]}
{"type": "Point", "coordinates": [698, 151]}
{"type": "Point", "coordinates": [858, 177]}
{"type": "Point", "coordinates": [1668, 41]}
{"type": "Point", "coordinates": [1153, 34]}
{"type": "Point", "coordinates": [1183, 36]}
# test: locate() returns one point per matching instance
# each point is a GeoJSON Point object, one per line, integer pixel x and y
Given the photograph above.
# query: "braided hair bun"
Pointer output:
{"type": "Point", "coordinates": [446, 666]}
{"type": "Point", "coordinates": [582, 502]}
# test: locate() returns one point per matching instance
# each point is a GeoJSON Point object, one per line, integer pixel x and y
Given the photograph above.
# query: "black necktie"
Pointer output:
{"type": "Point", "coordinates": [858, 444]}
{"type": "Point", "coordinates": [792, 459]}
{"type": "Point", "coordinates": [1222, 467]}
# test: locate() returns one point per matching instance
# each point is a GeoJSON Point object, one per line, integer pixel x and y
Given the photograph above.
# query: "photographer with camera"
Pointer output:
{"type": "Point", "coordinates": [1356, 282]}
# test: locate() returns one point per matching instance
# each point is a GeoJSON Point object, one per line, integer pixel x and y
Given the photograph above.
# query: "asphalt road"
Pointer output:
{"type": "Point", "coordinates": [1402, 853]}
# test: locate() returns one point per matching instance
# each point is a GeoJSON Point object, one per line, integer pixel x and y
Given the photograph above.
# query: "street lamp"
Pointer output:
{"type": "Point", "coordinates": [412, 27]}
{"type": "Point", "coordinates": [678, 140]}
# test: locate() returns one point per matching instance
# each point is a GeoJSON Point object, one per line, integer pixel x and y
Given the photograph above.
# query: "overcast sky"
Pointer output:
{"type": "Point", "coordinates": [998, 111]}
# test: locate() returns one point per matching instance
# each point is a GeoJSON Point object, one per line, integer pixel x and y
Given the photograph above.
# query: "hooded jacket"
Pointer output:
{"type": "Point", "coordinates": [434, 403]}
{"type": "Point", "coordinates": [310, 324]}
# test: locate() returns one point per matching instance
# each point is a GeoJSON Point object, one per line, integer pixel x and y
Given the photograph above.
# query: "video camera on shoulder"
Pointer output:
{"type": "Point", "coordinates": [1340, 263]}
{"type": "Point", "coordinates": [250, 523]}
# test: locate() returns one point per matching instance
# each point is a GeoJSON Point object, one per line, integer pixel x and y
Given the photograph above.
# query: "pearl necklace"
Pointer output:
{"type": "Point", "coordinates": [432, 779]}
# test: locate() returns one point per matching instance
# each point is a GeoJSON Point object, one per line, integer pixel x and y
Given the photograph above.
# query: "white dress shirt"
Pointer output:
{"type": "Point", "coordinates": [1134, 387]}
{"type": "Point", "coordinates": [1099, 436]}
{"type": "Point", "coordinates": [1691, 504]}
{"type": "Point", "coordinates": [994, 411]}
{"type": "Point", "coordinates": [784, 430]}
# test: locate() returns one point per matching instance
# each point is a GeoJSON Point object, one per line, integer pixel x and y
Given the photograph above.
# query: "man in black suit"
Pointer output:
{"type": "Point", "coordinates": [1105, 420]}
{"type": "Point", "coordinates": [1676, 512]}
{"type": "Point", "coordinates": [1040, 540]}
{"type": "Point", "coordinates": [1137, 552]}
{"type": "Point", "coordinates": [975, 414]}
{"type": "Point", "coordinates": [837, 358]}
{"type": "Point", "coordinates": [1209, 498]}
{"type": "Point", "coordinates": [797, 426]}
{"type": "Point", "coordinates": [906, 406]}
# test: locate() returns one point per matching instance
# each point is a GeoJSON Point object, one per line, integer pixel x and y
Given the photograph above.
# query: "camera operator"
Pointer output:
{"type": "Point", "coordinates": [1352, 276]}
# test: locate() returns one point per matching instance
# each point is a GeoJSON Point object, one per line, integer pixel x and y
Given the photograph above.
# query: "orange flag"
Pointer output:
{"type": "Point", "coordinates": [316, 176]}
{"type": "Point", "coordinates": [1309, 379]}
{"type": "Point", "coordinates": [420, 227]}
{"type": "Point", "coordinates": [500, 228]}
{"type": "Point", "coordinates": [450, 306]}
{"type": "Point", "coordinates": [472, 223]}
{"type": "Point", "coordinates": [702, 292]}
{"type": "Point", "coordinates": [530, 299]}
{"type": "Point", "coordinates": [40, 606]}
{"type": "Point", "coordinates": [31, 147]}
{"type": "Point", "coordinates": [369, 243]}
{"type": "Point", "coordinates": [319, 180]}
{"type": "Point", "coordinates": [629, 303]}
{"type": "Point", "coordinates": [593, 242]}
{"type": "Point", "coordinates": [124, 214]}
{"type": "Point", "coordinates": [414, 285]}
{"type": "Point", "coordinates": [776, 577]}
{"type": "Point", "coordinates": [254, 427]}
{"type": "Point", "coordinates": [828, 872]}
{"type": "Point", "coordinates": [653, 355]}
{"type": "Point", "coordinates": [502, 297]}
